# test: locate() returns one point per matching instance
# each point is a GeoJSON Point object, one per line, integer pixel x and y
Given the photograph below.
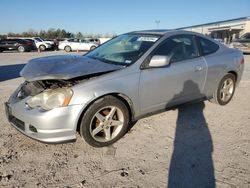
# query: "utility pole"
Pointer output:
{"type": "Point", "coordinates": [157, 23]}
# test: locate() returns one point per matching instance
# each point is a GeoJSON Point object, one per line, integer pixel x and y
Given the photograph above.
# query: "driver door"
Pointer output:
{"type": "Point", "coordinates": [181, 81]}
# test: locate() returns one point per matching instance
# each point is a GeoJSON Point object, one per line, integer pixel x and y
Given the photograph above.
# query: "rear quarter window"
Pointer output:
{"type": "Point", "coordinates": [207, 46]}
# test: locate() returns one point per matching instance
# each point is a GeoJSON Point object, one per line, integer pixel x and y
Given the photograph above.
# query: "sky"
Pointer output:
{"type": "Point", "coordinates": [114, 16]}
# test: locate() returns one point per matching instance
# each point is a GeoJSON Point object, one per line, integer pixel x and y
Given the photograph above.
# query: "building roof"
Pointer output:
{"type": "Point", "coordinates": [211, 23]}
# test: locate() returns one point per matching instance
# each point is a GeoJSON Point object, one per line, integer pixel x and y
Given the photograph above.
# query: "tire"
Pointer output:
{"type": "Point", "coordinates": [67, 49]}
{"type": "Point", "coordinates": [98, 127]}
{"type": "Point", "coordinates": [42, 48]}
{"type": "Point", "coordinates": [225, 90]}
{"type": "Point", "coordinates": [92, 48]}
{"type": "Point", "coordinates": [21, 49]}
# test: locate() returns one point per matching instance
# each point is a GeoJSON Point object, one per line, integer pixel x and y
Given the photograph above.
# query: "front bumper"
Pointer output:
{"type": "Point", "coordinates": [54, 126]}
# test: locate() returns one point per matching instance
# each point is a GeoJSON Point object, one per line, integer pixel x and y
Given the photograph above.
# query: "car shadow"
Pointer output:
{"type": "Point", "coordinates": [191, 162]}
{"type": "Point", "coordinates": [8, 72]}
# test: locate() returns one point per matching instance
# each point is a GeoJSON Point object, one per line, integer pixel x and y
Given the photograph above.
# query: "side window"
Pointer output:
{"type": "Point", "coordinates": [178, 48]}
{"type": "Point", "coordinates": [207, 46]}
{"type": "Point", "coordinates": [73, 40]}
{"type": "Point", "coordinates": [2, 42]}
{"type": "Point", "coordinates": [11, 42]}
{"type": "Point", "coordinates": [248, 36]}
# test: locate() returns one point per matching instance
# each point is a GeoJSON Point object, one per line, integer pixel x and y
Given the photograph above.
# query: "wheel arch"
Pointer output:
{"type": "Point", "coordinates": [124, 98]}
{"type": "Point", "coordinates": [235, 74]}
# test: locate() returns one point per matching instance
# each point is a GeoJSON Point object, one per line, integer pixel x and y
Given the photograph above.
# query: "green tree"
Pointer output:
{"type": "Point", "coordinates": [57, 33]}
{"type": "Point", "coordinates": [79, 35]}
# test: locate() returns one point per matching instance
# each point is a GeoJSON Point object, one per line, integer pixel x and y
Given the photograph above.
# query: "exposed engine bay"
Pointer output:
{"type": "Point", "coordinates": [32, 88]}
{"type": "Point", "coordinates": [35, 87]}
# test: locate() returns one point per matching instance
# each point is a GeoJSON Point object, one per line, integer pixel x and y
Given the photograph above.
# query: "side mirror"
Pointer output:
{"type": "Point", "coordinates": [159, 61]}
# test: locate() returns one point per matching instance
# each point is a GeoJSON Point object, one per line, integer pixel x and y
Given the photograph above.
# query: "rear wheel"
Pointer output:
{"type": "Point", "coordinates": [42, 48]}
{"type": "Point", "coordinates": [104, 122]}
{"type": "Point", "coordinates": [67, 48]}
{"type": "Point", "coordinates": [92, 48]}
{"type": "Point", "coordinates": [21, 49]}
{"type": "Point", "coordinates": [225, 90]}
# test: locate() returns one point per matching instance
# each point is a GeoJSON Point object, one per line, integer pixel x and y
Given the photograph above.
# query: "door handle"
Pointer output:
{"type": "Point", "coordinates": [198, 68]}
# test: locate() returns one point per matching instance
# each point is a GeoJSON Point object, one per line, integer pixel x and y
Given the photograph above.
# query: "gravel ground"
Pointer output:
{"type": "Point", "coordinates": [197, 145]}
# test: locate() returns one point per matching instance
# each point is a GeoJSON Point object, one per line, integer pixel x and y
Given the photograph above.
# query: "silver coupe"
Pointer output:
{"type": "Point", "coordinates": [133, 75]}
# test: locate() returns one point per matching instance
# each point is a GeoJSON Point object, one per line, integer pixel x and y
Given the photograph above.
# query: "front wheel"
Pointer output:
{"type": "Point", "coordinates": [21, 49]}
{"type": "Point", "coordinates": [42, 48]}
{"type": "Point", "coordinates": [104, 122]}
{"type": "Point", "coordinates": [225, 90]}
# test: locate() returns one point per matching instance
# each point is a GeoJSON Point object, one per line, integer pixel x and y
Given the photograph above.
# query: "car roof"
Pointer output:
{"type": "Point", "coordinates": [163, 32]}
{"type": "Point", "coordinates": [154, 31]}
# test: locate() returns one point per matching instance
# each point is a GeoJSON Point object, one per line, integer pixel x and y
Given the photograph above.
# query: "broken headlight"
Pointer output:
{"type": "Point", "coordinates": [50, 99]}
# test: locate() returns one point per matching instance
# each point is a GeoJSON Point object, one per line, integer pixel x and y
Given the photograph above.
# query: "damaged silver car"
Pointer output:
{"type": "Point", "coordinates": [135, 74]}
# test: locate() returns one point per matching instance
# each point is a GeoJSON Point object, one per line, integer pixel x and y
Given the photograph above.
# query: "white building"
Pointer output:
{"type": "Point", "coordinates": [225, 30]}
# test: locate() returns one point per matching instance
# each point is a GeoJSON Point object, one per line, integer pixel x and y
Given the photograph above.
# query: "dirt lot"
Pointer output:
{"type": "Point", "coordinates": [197, 145]}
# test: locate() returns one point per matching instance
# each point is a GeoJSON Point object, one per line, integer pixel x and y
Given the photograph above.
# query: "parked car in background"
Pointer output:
{"type": "Point", "coordinates": [40, 44]}
{"type": "Point", "coordinates": [69, 40]}
{"type": "Point", "coordinates": [243, 43]}
{"type": "Point", "coordinates": [98, 41]}
{"type": "Point", "coordinates": [104, 39]}
{"type": "Point", "coordinates": [135, 74]}
{"type": "Point", "coordinates": [93, 40]}
{"type": "Point", "coordinates": [16, 44]}
{"type": "Point", "coordinates": [219, 40]}
{"type": "Point", "coordinates": [51, 42]}
{"type": "Point", "coordinates": [76, 44]}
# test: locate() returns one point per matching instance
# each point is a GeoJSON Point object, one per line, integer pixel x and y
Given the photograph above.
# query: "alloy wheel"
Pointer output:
{"type": "Point", "coordinates": [21, 49]}
{"type": "Point", "coordinates": [106, 124]}
{"type": "Point", "coordinates": [227, 90]}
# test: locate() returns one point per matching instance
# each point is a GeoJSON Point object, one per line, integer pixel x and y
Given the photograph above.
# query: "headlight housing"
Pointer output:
{"type": "Point", "coordinates": [50, 99]}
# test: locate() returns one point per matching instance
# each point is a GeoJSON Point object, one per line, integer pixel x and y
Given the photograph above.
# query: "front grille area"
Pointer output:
{"type": "Point", "coordinates": [17, 122]}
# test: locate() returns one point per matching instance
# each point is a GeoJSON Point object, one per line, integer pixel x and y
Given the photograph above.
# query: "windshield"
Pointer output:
{"type": "Point", "coordinates": [246, 36]}
{"type": "Point", "coordinates": [124, 49]}
{"type": "Point", "coordinates": [38, 39]}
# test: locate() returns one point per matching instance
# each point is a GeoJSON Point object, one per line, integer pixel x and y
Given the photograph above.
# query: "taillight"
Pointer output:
{"type": "Point", "coordinates": [29, 43]}
{"type": "Point", "coordinates": [242, 61]}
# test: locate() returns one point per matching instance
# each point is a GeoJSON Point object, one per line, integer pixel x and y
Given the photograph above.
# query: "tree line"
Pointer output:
{"type": "Point", "coordinates": [55, 34]}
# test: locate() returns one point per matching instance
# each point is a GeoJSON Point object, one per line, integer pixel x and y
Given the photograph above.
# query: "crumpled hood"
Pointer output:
{"type": "Point", "coordinates": [64, 67]}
